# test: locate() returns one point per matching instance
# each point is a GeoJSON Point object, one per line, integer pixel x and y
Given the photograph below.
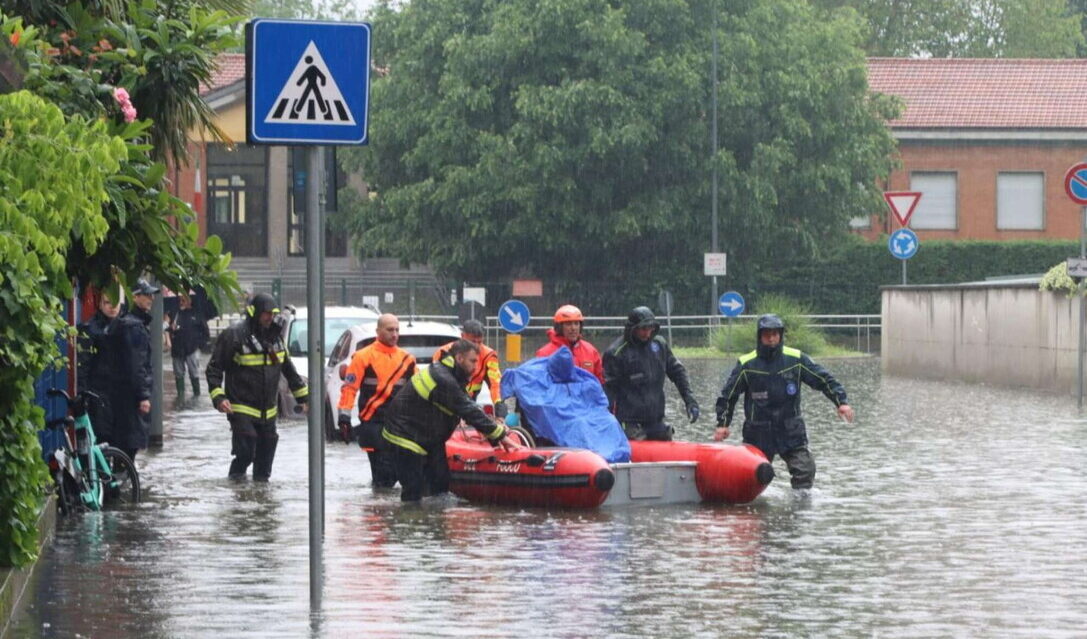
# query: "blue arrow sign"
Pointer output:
{"type": "Point", "coordinates": [731, 304]}
{"type": "Point", "coordinates": [308, 82]}
{"type": "Point", "coordinates": [514, 316]}
{"type": "Point", "coordinates": [903, 244]}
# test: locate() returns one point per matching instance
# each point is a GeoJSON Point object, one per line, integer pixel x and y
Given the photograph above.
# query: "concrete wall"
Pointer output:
{"type": "Point", "coordinates": [1003, 334]}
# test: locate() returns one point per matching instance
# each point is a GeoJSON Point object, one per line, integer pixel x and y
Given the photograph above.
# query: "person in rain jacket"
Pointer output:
{"type": "Point", "coordinates": [188, 332]}
{"type": "Point", "coordinates": [243, 382]}
{"type": "Point", "coordinates": [568, 322]}
{"type": "Point", "coordinates": [114, 364]}
{"type": "Point", "coordinates": [423, 416]}
{"type": "Point", "coordinates": [769, 379]}
{"type": "Point", "coordinates": [635, 367]}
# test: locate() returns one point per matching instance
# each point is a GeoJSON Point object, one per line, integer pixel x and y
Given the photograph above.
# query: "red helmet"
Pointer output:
{"type": "Point", "coordinates": [568, 313]}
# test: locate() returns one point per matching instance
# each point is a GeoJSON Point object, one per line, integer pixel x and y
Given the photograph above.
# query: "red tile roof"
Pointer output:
{"type": "Point", "coordinates": [984, 92]}
{"type": "Point", "coordinates": [231, 68]}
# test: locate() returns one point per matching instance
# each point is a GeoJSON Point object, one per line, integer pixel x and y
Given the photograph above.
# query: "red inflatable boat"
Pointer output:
{"type": "Point", "coordinates": [725, 473]}
{"type": "Point", "coordinates": [578, 478]}
{"type": "Point", "coordinates": [561, 477]}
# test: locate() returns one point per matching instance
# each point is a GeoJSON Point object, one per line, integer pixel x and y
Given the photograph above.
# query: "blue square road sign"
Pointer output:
{"type": "Point", "coordinates": [307, 82]}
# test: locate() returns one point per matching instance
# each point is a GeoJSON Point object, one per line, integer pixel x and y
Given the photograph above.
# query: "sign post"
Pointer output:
{"type": "Point", "coordinates": [308, 83]}
{"type": "Point", "coordinates": [1075, 185]}
{"type": "Point", "coordinates": [514, 316]}
{"type": "Point", "coordinates": [731, 304]}
{"type": "Point", "coordinates": [903, 245]}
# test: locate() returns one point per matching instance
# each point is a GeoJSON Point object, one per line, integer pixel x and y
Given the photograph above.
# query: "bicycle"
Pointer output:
{"type": "Point", "coordinates": [89, 475]}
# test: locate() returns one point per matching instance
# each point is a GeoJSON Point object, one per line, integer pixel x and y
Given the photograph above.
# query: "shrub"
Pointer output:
{"type": "Point", "coordinates": [808, 339]}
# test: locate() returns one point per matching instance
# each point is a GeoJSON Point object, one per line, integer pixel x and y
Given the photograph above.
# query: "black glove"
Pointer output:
{"type": "Point", "coordinates": [500, 410]}
{"type": "Point", "coordinates": [344, 423]}
{"type": "Point", "coordinates": [692, 410]}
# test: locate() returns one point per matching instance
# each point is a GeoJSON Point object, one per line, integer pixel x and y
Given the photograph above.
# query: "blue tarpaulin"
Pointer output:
{"type": "Point", "coordinates": [566, 404]}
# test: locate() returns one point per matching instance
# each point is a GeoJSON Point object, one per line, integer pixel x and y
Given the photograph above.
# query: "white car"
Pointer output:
{"type": "Point", "coordinates": [420, 339]}
{"type": "Point", "coordinates": [296, 336]}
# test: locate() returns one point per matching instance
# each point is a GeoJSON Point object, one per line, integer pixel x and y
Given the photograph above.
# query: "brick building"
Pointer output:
{"type": "Point", "coordinates": [987, 142]}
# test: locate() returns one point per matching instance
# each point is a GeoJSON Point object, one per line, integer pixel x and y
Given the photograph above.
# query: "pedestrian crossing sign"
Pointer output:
{"type": "Point", "coordinates": [308, 82]}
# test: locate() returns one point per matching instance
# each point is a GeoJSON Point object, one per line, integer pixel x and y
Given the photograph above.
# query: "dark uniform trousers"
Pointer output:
{"type": "Point", "coordinates": [382, 467]}
{"type": "Point", "coordinates": [420, 475]}
{"type": "Point", "coordinates": [253, 442]}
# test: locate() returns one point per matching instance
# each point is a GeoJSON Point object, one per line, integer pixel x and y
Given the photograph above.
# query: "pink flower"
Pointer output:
{"type": "Point", "coordinates": [121, 95]}
{"type": "Point", "coordinates": [130, 112]}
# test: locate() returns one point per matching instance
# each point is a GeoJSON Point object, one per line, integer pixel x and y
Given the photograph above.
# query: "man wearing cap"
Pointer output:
{"type": "Point", "coordinates": [769, 379]}
{"type": "Point", "coordinates": [487, 369]}
{"type": "Point", "coordinates": [635, 367]}
{"type": "Point", "coordinates": [243, 382]}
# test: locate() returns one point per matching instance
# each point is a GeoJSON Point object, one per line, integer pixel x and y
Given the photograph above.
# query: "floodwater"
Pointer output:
{"type": "Point", "coordinates": [946, 510]}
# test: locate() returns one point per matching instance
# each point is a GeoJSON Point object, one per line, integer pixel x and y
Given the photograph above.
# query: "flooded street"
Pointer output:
{"type": "Point", "coordinates": [947, 510]}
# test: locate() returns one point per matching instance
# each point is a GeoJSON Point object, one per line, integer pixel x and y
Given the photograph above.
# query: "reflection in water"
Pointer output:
{"type": "Point", "coordinates": [946, 510]}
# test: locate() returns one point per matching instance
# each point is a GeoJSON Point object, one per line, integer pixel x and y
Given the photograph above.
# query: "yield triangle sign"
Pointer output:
{"type": "Point", "coordinates": [310, 95]}
{"type": "Point", "coordinates": [902, 204]}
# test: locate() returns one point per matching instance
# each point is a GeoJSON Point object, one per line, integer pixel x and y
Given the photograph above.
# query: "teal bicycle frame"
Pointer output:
{"type": "Point", "coordinates": [83, 460]}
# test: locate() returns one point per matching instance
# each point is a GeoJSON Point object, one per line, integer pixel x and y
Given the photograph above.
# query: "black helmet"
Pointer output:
{"type": "Point", "coordinates": [261, 303]}
{"type": "Point", "coordinates": [641, 316]}
{"type": "Point", "coordinates": [770, 322]}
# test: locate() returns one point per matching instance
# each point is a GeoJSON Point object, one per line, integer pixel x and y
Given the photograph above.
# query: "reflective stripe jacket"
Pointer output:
{"type": "Point", "coordinates": [771, 390]}
{"type": "Point", "coordinates": [486, 370]}
{"type": "Point", "coordinates": [585, 354]}
{"type": "Point", "coordinates": [251, 370]}
{"type": "Point", "coordinates": [379, 372]}
{"type": "Point", "coordinates": [424, 415]}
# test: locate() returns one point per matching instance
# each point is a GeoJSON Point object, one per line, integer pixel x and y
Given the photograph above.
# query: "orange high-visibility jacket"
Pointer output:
{"type": "Point", "coordinates": [379, 371]}
{"type": "Point", "coordinates": [486, 370]}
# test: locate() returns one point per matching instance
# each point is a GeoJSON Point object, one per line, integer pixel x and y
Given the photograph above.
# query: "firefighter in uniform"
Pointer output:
{"type": "Point", "coordinates": [422, 418]}
{"type": "Point", "coordinates": [769, 379]}
{"type": "Point", "coordinates": [486, 371]}
{"type": "Point", "coordinates": [376, 373]}
{"type": "Point", "coordinates": [251, 356]}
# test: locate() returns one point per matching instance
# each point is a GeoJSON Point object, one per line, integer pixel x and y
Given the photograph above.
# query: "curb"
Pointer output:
{"type": "Point", "coordinates": [14, 582]}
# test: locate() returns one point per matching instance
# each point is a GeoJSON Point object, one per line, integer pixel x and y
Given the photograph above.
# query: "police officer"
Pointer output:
{"type": "Point", "coordinates": [251, 356]}
{"type": "Point", "coordinates": [635, 366]}
{"type": "Point", "coordinates": [769, 379]}
{"type": "Point", "coordinates": [422, 418]}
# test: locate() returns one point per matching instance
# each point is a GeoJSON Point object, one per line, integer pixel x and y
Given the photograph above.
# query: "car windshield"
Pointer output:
{"type": "Point", "coordinates": [298, 340]}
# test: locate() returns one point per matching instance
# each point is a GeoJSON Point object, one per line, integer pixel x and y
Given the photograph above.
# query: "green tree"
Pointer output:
{"type": "Point", "coordinates": [569, 139]}
{"type": "Point", "coordinates": [306, 9]}
{"type": "Point", "coordinates": [967, 28]}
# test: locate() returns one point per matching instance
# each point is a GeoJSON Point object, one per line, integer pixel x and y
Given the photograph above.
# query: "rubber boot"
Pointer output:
{"type": "Point", "coordinates": [179, 401]}
{"type": "Point", "coordinates": [196, 387]}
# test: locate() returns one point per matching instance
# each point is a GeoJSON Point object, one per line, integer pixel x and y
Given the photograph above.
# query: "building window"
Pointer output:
{"type": "Point", "coordinates": [1020, 201]}
{"type": "Point", "coordinates": [938, 208]}
{"type": "Point", "coordinates": [237, 198]}
{"type": "Point", "coordinates": [860, 223]}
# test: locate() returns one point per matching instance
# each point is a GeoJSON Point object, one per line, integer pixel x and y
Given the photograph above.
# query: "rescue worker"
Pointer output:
{"type": "Point", "coordinates": [487, 369]}
{"type": "Point", "coordinates": [769, 379]}
{"type": "Point", "coordinates": [251, 356]}
{"type": "Point", "coordinates": [635, 366]}
{"type": "Point", "coordinates": [566, 331]}
{"type": "Point", "coordinates": [422, 418]}
{"type": "Point", "coordinates": [379, 370]}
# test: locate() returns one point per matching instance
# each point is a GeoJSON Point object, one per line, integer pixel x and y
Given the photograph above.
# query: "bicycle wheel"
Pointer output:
{"type": "Point", "coordinates": [67, 493]}
{"type": "Point", "coordinates": [120, 481]}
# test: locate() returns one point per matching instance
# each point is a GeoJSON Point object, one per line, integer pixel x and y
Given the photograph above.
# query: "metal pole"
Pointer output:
{"type": "Point", "coordinates": [904, 272]}
{"type": "Point", "coordinates": [154, 438]}
{"type": "Point", "coordinates": [713, 157]}
{"type": "Point", "coordinates": [315, 304]}
{"type": "Point", "coordinates": [1082, 312]}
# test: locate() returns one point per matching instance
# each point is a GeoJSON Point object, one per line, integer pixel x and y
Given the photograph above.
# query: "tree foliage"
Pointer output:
{"type": "Point", "coordinates": [967, 28]}
{"type": "Point", "coordinates": [569, 139]}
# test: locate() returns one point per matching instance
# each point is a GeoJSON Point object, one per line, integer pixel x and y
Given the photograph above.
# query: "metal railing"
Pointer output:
{"type": "Point", "coordinates": [859, 328]}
